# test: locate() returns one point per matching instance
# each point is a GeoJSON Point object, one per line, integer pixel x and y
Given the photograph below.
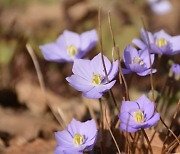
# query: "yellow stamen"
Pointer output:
{"type": "Point", "coordinates": [138, 116]}
{"type": "Point", "coordinates": [96, 79]}
{"type": "Point", "coordinates": [72, 50]}
{"type": "Point", "coordinates": [160, 42]}
{"type": "Point", "coordinates": [138, 60]}
{"type": "Point", "coordinates": [78, 139]}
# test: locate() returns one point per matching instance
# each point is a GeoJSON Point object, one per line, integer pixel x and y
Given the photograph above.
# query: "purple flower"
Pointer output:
{"type": "Point", "coordinates": [175, 69]}
{"type": "Point", "coordinates": [69, 46]}
{"type": "Point", "coordinates": [160, 42]}
{"type": "Point", "coordinates": [78, 136]}
{"type": "Point", "coordinates": [89, 76]}
{"type": "Point", "coordinates": [137, 61]}
{"type": "Point", "coordinates": [160, 7]}
{"type": "Point", "coordinates": [138, 114]}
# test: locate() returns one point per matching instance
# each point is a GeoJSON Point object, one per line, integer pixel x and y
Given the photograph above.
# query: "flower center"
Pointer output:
{"type": "Point", "coordinates": [96, 79]}
{"type": "Point", "coordinates": [72, 50]}
{"type": "Point", "coordinates": [160, 42]}
{"type": "Point", "coordinates": [137, 60]}
{"type": "Point", "coordinates": [138, 116]}
{"type": "Point", "coordinates": [78, 139]}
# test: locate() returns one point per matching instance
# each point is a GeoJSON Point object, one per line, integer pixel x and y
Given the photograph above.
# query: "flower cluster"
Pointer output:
{"type": "Point", "coordinates": [91, 78]}
{"type": "Point", "coordinates": [77, 138]}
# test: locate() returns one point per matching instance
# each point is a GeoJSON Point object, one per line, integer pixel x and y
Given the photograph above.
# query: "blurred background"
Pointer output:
{"type": "Point", "coordinates": [26, 122]}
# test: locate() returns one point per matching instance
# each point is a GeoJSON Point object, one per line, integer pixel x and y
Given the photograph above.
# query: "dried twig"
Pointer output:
{"type": "Point", "coordinates": [170, 131]}
{"type": "Point", "coordinates": [148, 142]}
{"type": "Point", "coordinates": [102, 51]}
{"type": "Point", "coordinates": [149, 51]}
{"type": "Point", "coordinates": [171, 146]}
{"type": "Point", "coordinates": [91, 111]}
{"type": "Point", "coordinates": [172, 121]}
{"type": "Point", "coordinates": [111, 93]}
{"type": "Point", "coordinates": [116, 48]}
{"type": "Point", "coordinates": [60, 119]}
{"type": "Point", "coordinates": [109, 128]}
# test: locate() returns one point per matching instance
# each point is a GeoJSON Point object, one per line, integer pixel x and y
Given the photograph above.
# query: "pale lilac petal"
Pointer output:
{"type": "Point", "coordinates": [127, 118]}
{"type": "Point", "coordinates": [105, 87]}
{"type": "Point", "coordinates": [145, 57]}
{"type": "Point", "coordinates": [58, 150]}
{"type": "Point", "coordinates": [89, 129]}
{"type": "Point", "coordinates": [175, 69]}
{"type": "Point", "coordinates": [149, 111]}
{"type": "Point", "coordinates": [161, 7]}
{"type": "Point", "coordinates": [156, 50]}
{"type": "Point", "coordinates": [93, 94]}
{"type": "Point", "coordinates": [72, 38]}
{"type": "Point", "coordinates": [74, 150]}
{"type": "Point", "coordinates": [146, 105]}
{"type": "Point", "coordinates": [79, 83]}
{"type": "Point", "coordinates": [79, 149]}
{"type": "Point", "coordinates": [82, 68]}
{"type": "Point", "coordinates": [52, 52]}
{"type": "Point", "coordinates": [147, 72]}
{"type": "Point", "coordinates": [98, 90]}
{"type": "Point", "coordinates": [166, 50]}
{"type": "Point", "coordinates": [97, 65]}
{"type": "Point", "coordinates": [129, 106]}
{"type": "Point", "coordinates": [162, 34]}
{"type": "Point", "coordinates": [129, 54]}
{"type": "Point", "coordinates": [152, 56]}
{"type": "Point", "coordinates": [151, 122]}
{"type": "Point", "coordinates": [126, 128]}
{"type": "Point", "coordinates": [88, 40]}
{"type": "Point", "coordinates": [79, 55]}
{"type": "Point", "coordinates": [65, 135]}
{"type": "Point", "coordinates": [139, 43]}
{"type": "Point", "coordinates": [175, 44]}
{"type": "Point", "coordinates": [126, 71]}
{"type": "Point", "coordinates": [113, 71]}
{"type": "Point", "coordinates": [144, 35]}
{"type": "Point", "coordinates": [64, 138]}
{"type": "Point", "coordinates": [137, 68]}
{"type": "Point", "coordinates": [140, 125]}
{"type": "Point", "coordinates": [143, 53]}
{"type": "Point", "coordinates": [61, 42]}
{"type": "Point", "coordinates": [90, 144]}
{"type": "Point", "coordinates": [74, 127]}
